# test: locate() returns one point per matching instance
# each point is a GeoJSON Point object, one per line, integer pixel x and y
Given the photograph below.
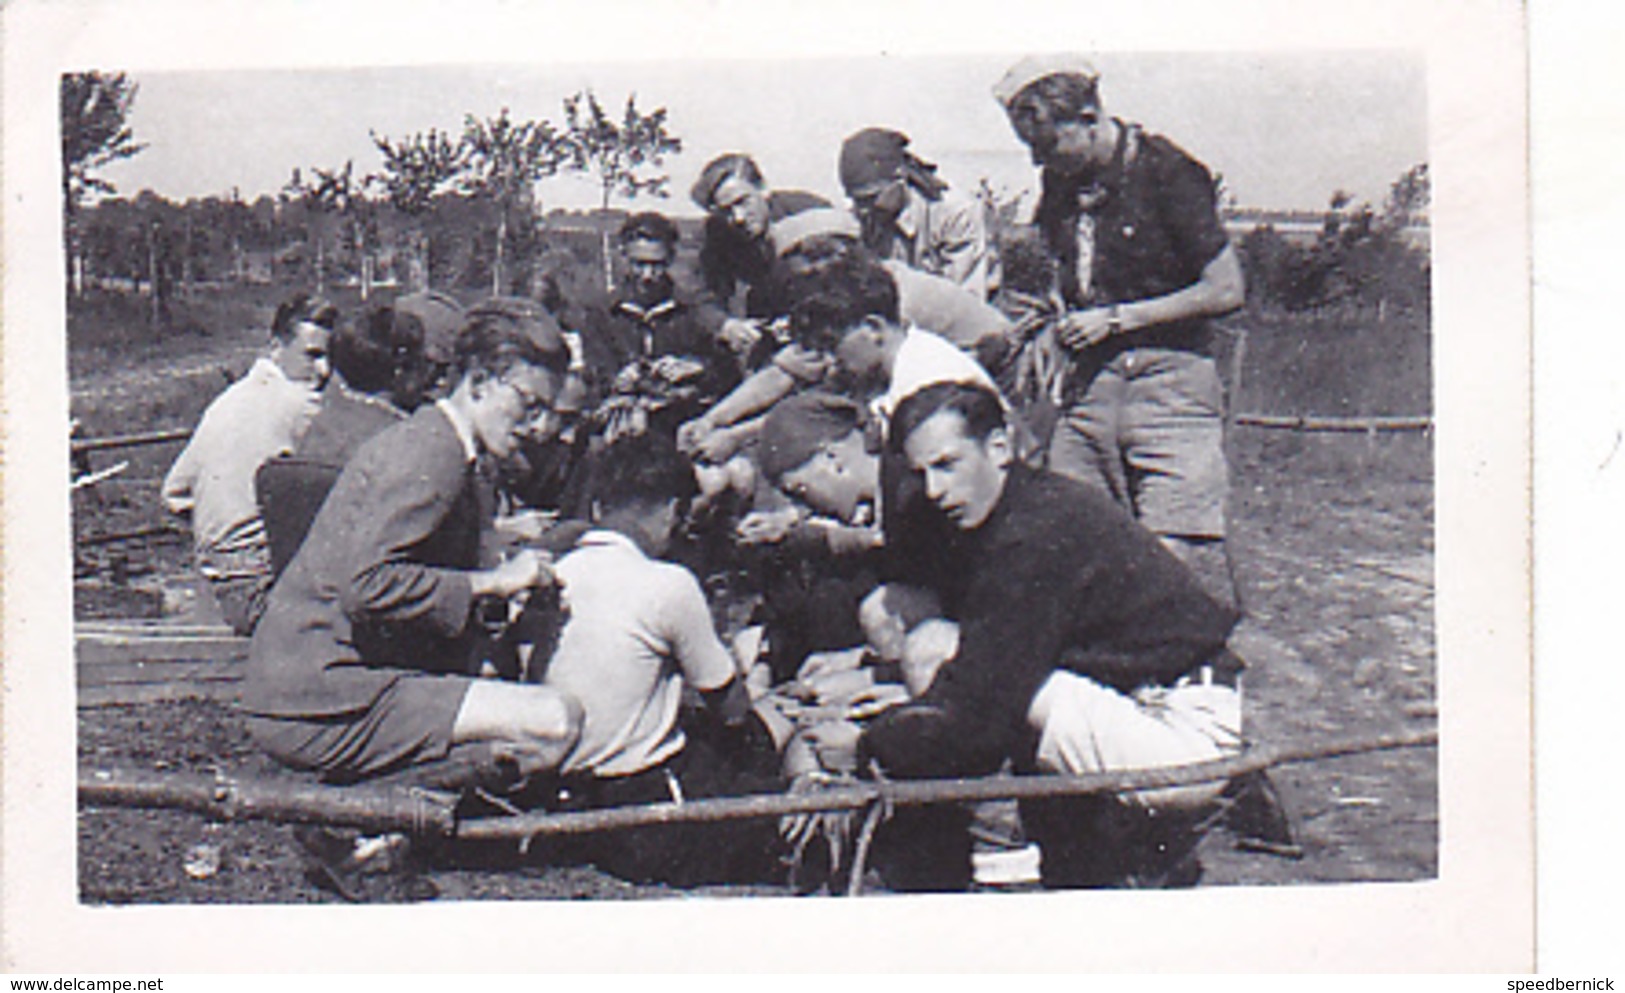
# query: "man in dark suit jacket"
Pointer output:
{"type": "Point", "coordinates": [362, 666]}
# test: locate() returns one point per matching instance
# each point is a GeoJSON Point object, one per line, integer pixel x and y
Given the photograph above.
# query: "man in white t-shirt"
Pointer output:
{"type": "Point", "coordinates": [639, 631]}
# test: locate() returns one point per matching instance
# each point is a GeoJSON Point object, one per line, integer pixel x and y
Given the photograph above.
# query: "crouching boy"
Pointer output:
{"type": "Point", "coordinates": [638, 633]}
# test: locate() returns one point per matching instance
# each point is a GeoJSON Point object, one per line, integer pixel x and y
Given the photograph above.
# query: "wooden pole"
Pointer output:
{"type": "Point", "coordinates": [397, 809]}
{"type": "Point", "coordinates": [926, 791]}
{"type": "Point", "coordinates": [226, 799]}
{"type": "Point", "coordinates": [1365, 425]}
{"type": "Point", "coordinates": [129, 440]}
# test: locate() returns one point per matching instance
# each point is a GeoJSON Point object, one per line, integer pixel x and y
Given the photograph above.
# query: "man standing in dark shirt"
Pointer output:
{"type": "Point", "coordinates": [1144, 264]}
{"type": "Point", "coordinates": [1085, 645]}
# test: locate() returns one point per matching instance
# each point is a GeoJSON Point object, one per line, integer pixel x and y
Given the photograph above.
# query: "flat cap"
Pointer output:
{"type": "Point", "coordinates": [720, 169]}
{"type": "Point", "coordinates": [530, 319]}
{"type": "Point", "coordinates": [1035, 67]}
{"type": "Point", "coordinates": [799, 425]}
{"type": "Point", "coordinates": [871, 157]}
{"type": "Point", "coordinates": [811, 223]}
{"type": "Point", "coordinates": [441, 317]}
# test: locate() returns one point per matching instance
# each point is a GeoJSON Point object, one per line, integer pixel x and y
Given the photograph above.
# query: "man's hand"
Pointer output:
{"type": "Point", "coordinates": [836, 688]}
{"type": "Point", "coordinates": [524, 527]}
{"type": "Point", "coordinates": [766, 527]}
{"type": "Point", "coordinates": [875, 700]}
{"type": "Point", "coordinates": [739, 335]}
{"type": "Point", "coordinates": [675, 369]}
{"type": "Point", "coordinates": [704, 441]}
{"type": "Point", "coordinates": [625, 421]}
{"type": "Point", "coordinates": [627, 379]}
{"type": "Point", "coordinates": [718, 446]}
{"type": "Point", "coordinates": [527, 569]}
{"type": "Point", "coordinates": [1081, 329]}
{"type": "Point", "coordinates": [690, 434]}
{"type": "Point", "coordinates": [823, 663]}
{"type": "Point", "coordinates": [805, 365]}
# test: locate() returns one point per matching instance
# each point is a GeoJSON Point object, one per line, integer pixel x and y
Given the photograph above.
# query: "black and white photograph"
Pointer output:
{"type": "Point", "coordinates": [1003, 476]}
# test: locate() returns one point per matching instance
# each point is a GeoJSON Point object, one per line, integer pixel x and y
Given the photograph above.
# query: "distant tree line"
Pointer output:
{"type": "Point", "coordinates": [448, 210]}
{"type": "Point", "coordinates": [1362, 258]}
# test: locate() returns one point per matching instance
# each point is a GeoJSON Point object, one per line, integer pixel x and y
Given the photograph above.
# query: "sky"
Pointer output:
{"type": "Point", "coordinates": [1285, 128]}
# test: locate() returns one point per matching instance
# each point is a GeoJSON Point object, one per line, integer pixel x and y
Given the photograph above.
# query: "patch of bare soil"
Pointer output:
{"type": "Point", "coordinates": [1340, 568]}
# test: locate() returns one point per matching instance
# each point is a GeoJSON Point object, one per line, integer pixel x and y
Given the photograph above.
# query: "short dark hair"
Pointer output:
{"type": "Point", "coordinates": [505, 330]}
{"type": "Point", "coordinates": [648, 226]}
{"type": "Point", "coordinates": [370, 350]}
{"type": "Point", "coordinates": [1066, 94]}
{"type": "Point", "coordinates": [721, 169]}
{"type": "Point", "coordinates": [832, 300]}
{"type": "Point", "coordinates": [977, 406]}
{"type": "Point", "coordinates": [641, 469]}
{"type": "Point", "coordinates": [303, 308]}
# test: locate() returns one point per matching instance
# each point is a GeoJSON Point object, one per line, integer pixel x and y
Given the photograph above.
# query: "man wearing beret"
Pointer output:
{"type": "Point", "coordinates": [1144, 265]}
{"type": "Point", "coordinates": [388, 363]}
{"type": "Point", "coordinates": [818, 449]}
{"type": "Point", "coordinates": [911, 215]}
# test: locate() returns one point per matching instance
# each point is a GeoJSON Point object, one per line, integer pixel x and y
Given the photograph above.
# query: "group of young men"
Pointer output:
{"type": "Point", "coordinates": [961, 501]}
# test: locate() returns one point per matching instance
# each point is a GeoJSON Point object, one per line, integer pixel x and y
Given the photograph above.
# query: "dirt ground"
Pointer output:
{"type": "Point", "coordinates": [1333, 549]}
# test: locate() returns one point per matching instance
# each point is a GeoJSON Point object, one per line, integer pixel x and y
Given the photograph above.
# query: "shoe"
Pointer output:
{"type": "Point", "coordinates": [1258, 818]}
{"type": "Point", "coordinates": [1181, 875]}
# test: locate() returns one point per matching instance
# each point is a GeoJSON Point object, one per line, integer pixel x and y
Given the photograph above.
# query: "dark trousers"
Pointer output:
{"type": "Point", "coordinates": [684, 855]}
{"type": "Point", "coordinates": [1097, 841]}
{"type": "Point", "coordinates": [925, 849]}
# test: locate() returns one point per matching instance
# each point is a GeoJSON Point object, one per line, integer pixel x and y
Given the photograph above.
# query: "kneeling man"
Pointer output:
{"type": "Point", "coordinates": [1084, 646]}
{"type": "Point", "coordinates": [362, 666]}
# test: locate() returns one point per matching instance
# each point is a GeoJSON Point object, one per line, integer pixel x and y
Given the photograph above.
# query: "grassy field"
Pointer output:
{"type": "Point", "coordinates": [1333, 548]}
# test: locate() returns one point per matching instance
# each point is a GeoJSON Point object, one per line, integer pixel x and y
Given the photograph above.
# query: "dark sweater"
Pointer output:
{"type": "Point", "coordinates": [1057, 577]}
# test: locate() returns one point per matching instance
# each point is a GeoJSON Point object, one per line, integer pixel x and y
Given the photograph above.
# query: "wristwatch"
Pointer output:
{"type": "Point", "coordinates": [1114, 319]}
